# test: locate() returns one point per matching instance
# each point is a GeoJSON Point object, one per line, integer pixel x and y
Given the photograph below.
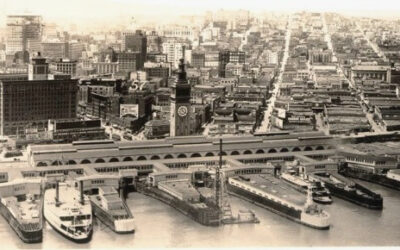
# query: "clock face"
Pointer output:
{"type": "Point", "coordinates": [182, 111]}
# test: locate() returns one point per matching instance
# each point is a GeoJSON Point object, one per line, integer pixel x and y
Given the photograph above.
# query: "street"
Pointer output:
{"type": "Point", "coordinates": [265, 124]}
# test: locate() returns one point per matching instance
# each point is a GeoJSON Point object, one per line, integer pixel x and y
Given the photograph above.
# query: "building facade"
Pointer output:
{"type": "Point", "coordinates": [175, 51]}
{"type": "Point", "coordinates": [24, 32]}
{"type": "Point", "coordinates": [135, 42]}
{"type": "Point", "coordinates": [227, 56]}
{"type": "Point", "coordinates": [30, 104]}
{"type": "Point", "coordinates": [66, 66]}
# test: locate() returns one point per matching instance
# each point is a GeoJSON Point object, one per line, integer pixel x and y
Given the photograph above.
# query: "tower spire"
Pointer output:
{"type": "Point", "coordinates": [181, 72]}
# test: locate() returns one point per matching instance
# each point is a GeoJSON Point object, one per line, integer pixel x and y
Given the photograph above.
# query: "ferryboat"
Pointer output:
{"type": "Point", "coordinates": [390, 179]}
{"type": "Point", "coordinates": [21, 206]}
{"type": "Point", "coordinates": [319, 192]}
{"type": "Point", "coordinates": [276, 195]}
{"type": "Point", "coordinates": [69, 212]}
{"type": "Point", "coordinates": [112, 210]}
{"type": "Point", "coordinates": [349, 190]}
{"type": "Point", "coordinates": [382, 170]}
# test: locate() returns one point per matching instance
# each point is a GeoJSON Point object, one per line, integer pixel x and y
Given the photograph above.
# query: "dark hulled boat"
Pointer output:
{"type": "Point", "coordinates": [381, 179]}
{"type": "Point", "coordinates": [348, 190]}
{"type": "Point", "coordinates": [23, 209]}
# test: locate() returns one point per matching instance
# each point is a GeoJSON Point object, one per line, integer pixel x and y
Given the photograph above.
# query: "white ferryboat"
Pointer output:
{"type": "Point", "coordinates": [112, 210]}
{"type": "Point", "coordinates": [320, 194]}
{"type": "Point", "coordinates": [69, 212]}
{"type": "Point", "coordinates": [277, 196]}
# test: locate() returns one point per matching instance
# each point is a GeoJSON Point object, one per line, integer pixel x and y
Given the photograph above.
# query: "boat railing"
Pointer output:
{"type": "Point", "coordinates": [127, 209]}
{"type": "Point", "coordinates": [34, 226]}
{"type": "Point", "coordinates": [368, 192]}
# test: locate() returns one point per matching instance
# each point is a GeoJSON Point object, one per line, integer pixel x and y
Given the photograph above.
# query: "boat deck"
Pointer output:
{"type": "Point", "coordinates": [69, 201]}
{"type": "Point", "coordinates": [182, 189]}
{"type": "Point", "coordinates": [118, 211]}
{"type": "Point", "coordinates": [29, 211]}
{"type": "Point", "coordinates": [334, 178]}
{"type": "Point", "coordinates": [274, 186]}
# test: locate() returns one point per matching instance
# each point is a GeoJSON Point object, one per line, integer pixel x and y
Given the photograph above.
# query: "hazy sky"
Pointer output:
{"type": "Point", "coordinates": [108, 11]}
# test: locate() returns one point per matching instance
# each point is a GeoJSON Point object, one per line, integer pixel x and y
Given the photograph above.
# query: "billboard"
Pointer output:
{"type": "Point", "coordinates": [129, 109]}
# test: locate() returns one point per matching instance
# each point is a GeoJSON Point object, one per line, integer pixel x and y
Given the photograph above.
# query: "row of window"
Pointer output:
{"type": "Point", "coordinates": [248, 171]}
{"type": "Point", "coordinates": [109, 169]}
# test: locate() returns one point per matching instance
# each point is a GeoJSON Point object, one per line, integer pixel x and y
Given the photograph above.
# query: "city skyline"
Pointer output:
{"type": "Point", "coordinates": [159, 11]}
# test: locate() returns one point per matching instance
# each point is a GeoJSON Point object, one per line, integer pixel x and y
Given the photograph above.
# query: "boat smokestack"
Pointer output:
{"type": "Point", "coordinates": [81, 192]}
{"type": "Point", "coordinates": [122, 189]}
{"type": "Point", "coordinates": [57, 193]}
{"type": "Point", "coordinates": [220, 153]}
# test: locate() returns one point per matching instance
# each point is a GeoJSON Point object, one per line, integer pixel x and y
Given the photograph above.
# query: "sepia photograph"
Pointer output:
{"type": "Point", "coordinates": [199, 124]}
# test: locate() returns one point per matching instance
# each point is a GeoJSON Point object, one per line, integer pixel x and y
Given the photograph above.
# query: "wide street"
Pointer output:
{"type": "Point", "coordinates": [265, 124]}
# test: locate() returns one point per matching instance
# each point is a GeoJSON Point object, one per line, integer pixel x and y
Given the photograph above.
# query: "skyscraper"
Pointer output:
{"type": "Point", "coordinates": [180, 104]}
{"type": "Point", "coordinates": [228, 56]}
{"type": "Point", "coordinates": [28, 104]}
{"type": "Point", "coordinates": [135, 42]}
{"type": "Point", "coordinates": [24, 34]}
{"type": "Point", "coordinates": [175, 51]}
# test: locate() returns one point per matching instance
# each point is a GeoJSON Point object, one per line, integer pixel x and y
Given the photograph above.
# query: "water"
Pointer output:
{"type": "Point", "coordinates": [159, 225]}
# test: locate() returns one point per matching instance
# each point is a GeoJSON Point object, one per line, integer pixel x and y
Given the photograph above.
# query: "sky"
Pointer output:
{"type": "Point", "coordinates": [110, 11]}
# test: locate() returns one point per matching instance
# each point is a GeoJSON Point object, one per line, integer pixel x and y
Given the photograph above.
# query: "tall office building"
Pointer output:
{"type": "Point", "coordinates": [27, 105]}
{"type": "Point", "coordinates": [75, 50]}
{"type": "Point", "coordinates": [227, 56]}
{"type": "Point", "coordinates": [175, 51]}
{"type": "Point", "coordinates": [135, 42]}
{"type": "Point", "coordinates": [180, 104]}
{"type": "Point", "coordinates": [127, 61]}
{"type": "Point", "coordinates": [66, 66]}
{"type": "Point", "coordinates": [24, 34]}
{"type": "Point", "coordinates": [54, 49]}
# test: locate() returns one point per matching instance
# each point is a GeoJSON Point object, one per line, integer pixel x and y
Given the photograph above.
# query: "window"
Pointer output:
{"type": "Point", "coordinates": [83, 217]}
{"type": "Point", "coordinates": [66, 218]}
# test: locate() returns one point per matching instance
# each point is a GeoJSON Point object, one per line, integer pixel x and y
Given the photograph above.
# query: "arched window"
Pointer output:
{"type": "Point", "coordinates": [296, 149]}
{"type": "Point", "coordinates": [85, 161]}
{"type": "Point", "coordinates": [308, 148]}
{"type": "Point", "coordinates": [128, 158]}
{"type": "Point", "coordinates": [141, 158]}
{"type": "Point", "coordinates": [99, 160]}
{"type": "Point", "coordinates": [181, 156]}
{"type": "Point", "coordinates": [114, 159]}
{"type": "Point", "coordinates": [247, 152]}
{"type": "Point", "coordinates": [260, 151]}
{"type": "Point", "coordinates": [195, 155]}
{"type": "Point", "coordinates": [56, 163]}
{"type": "Point", "coordinates": [155, 157]}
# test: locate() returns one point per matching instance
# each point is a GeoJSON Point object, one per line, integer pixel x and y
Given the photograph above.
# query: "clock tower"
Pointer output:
{"type": "Point", "coordinates": [180, 104]}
